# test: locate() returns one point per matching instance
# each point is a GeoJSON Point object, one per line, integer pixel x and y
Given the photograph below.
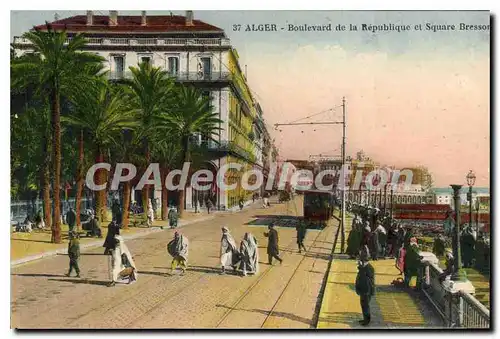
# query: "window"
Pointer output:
{"type": "Point", "coordinates": [119, 64]}
{"type": "Point", "coordinates": [205, 68]}
{"type": "Point", "coordinates": [146, 59]}
{"type": "Point", "coordinates": [173, 65]}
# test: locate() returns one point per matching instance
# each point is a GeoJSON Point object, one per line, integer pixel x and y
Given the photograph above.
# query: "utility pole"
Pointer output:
{"type": "Point", "coordinates": [342, 235]}
{"type": "Point", "coordinates": [343, 123]}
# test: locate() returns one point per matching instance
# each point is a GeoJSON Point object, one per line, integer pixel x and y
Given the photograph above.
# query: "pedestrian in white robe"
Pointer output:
{"type": "Point", "coordinates": [229, 254]}
{"type": "Point", "coordinates": [122, 265]}
{"type": "Point", "coordinates": [249, 255]}
{"type": "Point", "coordinates": [151, 214]}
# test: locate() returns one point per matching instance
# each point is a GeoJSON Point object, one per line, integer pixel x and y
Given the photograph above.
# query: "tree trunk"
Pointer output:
{"type": "Point", "coordinates": [164, 196]}
{"type": "Point", "coordinates": [101, 195]}
{"type": "Point", "coordinates": [185, 157]}
{"type": "Point", "coordinates": [79, 183]}
{"type": "Point", "coordinates": [126, 203]}
{"type": "Point", "coordinates": [145, 189]}
{"type": "Point", "coordinates": [47, 208]}
{"type": "Point", "coordinates": [56, 148]}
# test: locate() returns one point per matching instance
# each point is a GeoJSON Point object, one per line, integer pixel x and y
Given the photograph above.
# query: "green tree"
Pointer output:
{"type": "Point", "coordinates": [192, 113]}
{"type": "Point", "coordinates": [56, 67]}
{"type": "Point", "coordinates": [167, 153]}
{"type": "Point", "coordinates": [150, 92]}
{"type": "Point", "coordinates": [126, 150]}
{"type": "Point", "coordinates": [102, 113]}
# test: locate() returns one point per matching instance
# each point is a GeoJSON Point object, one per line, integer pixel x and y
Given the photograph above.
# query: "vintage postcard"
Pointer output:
{"type": "Point", "coordinates": [250, 169]}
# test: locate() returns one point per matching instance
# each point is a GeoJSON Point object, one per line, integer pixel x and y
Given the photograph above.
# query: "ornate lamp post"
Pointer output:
{"type": "Point", "coordinates": [471, 179]}
{"type": "Point", "coordinates": [456, 234]}
{"type": "Point", "coordinates": [477, 216]}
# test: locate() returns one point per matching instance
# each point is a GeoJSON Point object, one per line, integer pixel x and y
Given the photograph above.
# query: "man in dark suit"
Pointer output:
{"type": "Point", "coordinates": [272, 245]}
{"type": "Point", "coordinates": [365, 285]}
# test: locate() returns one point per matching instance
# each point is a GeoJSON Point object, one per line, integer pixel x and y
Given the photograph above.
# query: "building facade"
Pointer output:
{"type": "Point", "coordinates": [194, 53]}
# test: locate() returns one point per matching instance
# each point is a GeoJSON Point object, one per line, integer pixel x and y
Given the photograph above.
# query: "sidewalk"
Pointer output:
{"type": "Point", "coordinates": [26, 247]}
{"type": "Point", "coordinates": [391, 307]}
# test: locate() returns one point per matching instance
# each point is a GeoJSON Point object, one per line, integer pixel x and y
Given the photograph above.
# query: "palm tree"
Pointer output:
{"type": "Point", "coordinates": [95, 71]}
{"type": "Point", "coordinates": [167, 153]}
{"type": "Point", "coordinates": [56, 67]}
{"type": "Point", "coordinates": [126, 151]}
{"type": "Point", "coordinates": [150, 93]}
{"type": "Point", "coordinates": [191, 114]}
{"type": "Point", "coordinates": [103, 114]}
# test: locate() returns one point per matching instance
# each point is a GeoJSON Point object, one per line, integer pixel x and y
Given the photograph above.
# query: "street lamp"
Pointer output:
{"type": "Point", "coordinates": [471, 179]}
{"type": "Point", "coordinates": [457, 275]}
{"type": "Point", "coordinates": [477, 216]}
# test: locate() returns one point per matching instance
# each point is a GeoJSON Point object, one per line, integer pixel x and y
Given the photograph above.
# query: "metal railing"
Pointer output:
{"type": "Point", "coordinates": [179, 76]}
{"type": "Point", "coordinates": [225, 146]}
{"type": "Point", "coordinates": [475, 314]}
{"type": "Point", "coordinates": [19, 40]}
{"type": "Point", "coordinates": [458, 310]}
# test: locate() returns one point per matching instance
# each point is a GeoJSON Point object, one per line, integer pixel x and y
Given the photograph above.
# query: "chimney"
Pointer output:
{"type": "Point", "coordinates": [90, 18]}
{"type": "Point", "coordinates": [189, 18]}
{"type": "Point", "coordinates": [113, 18]}
{"type": "Point", "coordinates": [143, 18]}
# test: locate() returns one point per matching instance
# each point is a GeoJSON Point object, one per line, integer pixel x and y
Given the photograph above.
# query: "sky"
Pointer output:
{"type": "Point", "coordinates": [413, 98]}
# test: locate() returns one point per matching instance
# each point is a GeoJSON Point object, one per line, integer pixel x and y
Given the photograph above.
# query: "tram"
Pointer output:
{"type": "Point", "coordinates": [318, 207]}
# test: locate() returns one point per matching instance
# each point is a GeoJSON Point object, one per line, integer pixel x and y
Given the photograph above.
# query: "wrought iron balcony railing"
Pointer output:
{"type": "Point", "coordinates": [179, 76]}
{"type": "Point", "coordinates": [144, 41]}
{"type": "Point", "coordinates": [225, 146]}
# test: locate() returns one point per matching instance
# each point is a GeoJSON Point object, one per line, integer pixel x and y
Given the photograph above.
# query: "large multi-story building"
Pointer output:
{"type": "Point", "coordinates": [194, 53]}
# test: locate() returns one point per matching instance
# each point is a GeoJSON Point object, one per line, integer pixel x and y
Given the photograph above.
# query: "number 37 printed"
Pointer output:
{"type": "Point", "coordinates": [236, 28]}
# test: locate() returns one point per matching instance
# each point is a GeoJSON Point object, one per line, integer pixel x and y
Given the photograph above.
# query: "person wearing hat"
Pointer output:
{"type": "Point", "coordinates": [365, 239]}
{"type": "Point", "coordinates": [365, 285]}
{"type": "Point", "coordinates": [301, 229]}
{"type": "Point", "coordinates": [109, 242]}
{"type": "Point", "coordinates": [468, 244]}
{"type": "Point", "coordinates": [354, 238]}
{"type": "Point", "coordinates": [73, 253]}
{"type": "Point", "coordinates": [71, 219]}
{"type": "Point", "coordinates": [272, 245]}
{"type": "Point", "coordinates": [412, 262]}
{"type": "Point", "coordinates": [439, 246]}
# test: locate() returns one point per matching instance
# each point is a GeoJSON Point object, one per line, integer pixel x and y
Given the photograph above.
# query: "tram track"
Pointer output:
{"type": "Point", "coordinates": [234, 306]}
{"type": "Point", "coordinates": [289, 281]}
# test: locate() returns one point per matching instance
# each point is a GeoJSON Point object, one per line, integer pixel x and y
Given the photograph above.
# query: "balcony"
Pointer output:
{"type": "Point", "coordinates": [226, 147]}
{"type": "Point", "coordinates": [180, 76]}
{"type": "Point", "coordinates": [143, 42]}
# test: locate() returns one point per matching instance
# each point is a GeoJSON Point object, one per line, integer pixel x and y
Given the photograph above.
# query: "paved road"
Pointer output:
{"type": "Point", "coordinates": [284, 296]}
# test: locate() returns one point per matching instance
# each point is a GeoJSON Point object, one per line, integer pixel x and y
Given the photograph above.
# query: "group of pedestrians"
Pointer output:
{"type": "Point", "coordinates": [244, 257]}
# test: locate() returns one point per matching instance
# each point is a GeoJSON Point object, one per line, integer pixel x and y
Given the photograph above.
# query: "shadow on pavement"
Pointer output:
{"type": "Point", "coordinates": [83, 281]}
{"type": "Point", "coordinates": [38, 275]}
{"type": "Point", "coordinates": [286, 315]}
{"type": "Point", "coordinates": [207, 269]}
{"type": "Point", "coordinates": [32, 240]}
{"type": "Point", "coordinates": [322, 256]}
{"type": "Point", "coordinates": [161, 274]}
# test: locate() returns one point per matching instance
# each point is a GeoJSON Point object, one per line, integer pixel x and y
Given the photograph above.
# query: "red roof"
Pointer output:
{"type": "Point", "coordinates": [422, 207]}
{"type": "Point", "coordinates": [483, 217]}
{"type": "Point", "coordinates": [130, 23]}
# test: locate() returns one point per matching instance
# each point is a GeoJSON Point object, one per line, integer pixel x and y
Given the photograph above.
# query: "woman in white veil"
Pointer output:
{"type": "Point", "coordinates": [122, 263]}
{"type": "Point", "coordinates": [249, 255]}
